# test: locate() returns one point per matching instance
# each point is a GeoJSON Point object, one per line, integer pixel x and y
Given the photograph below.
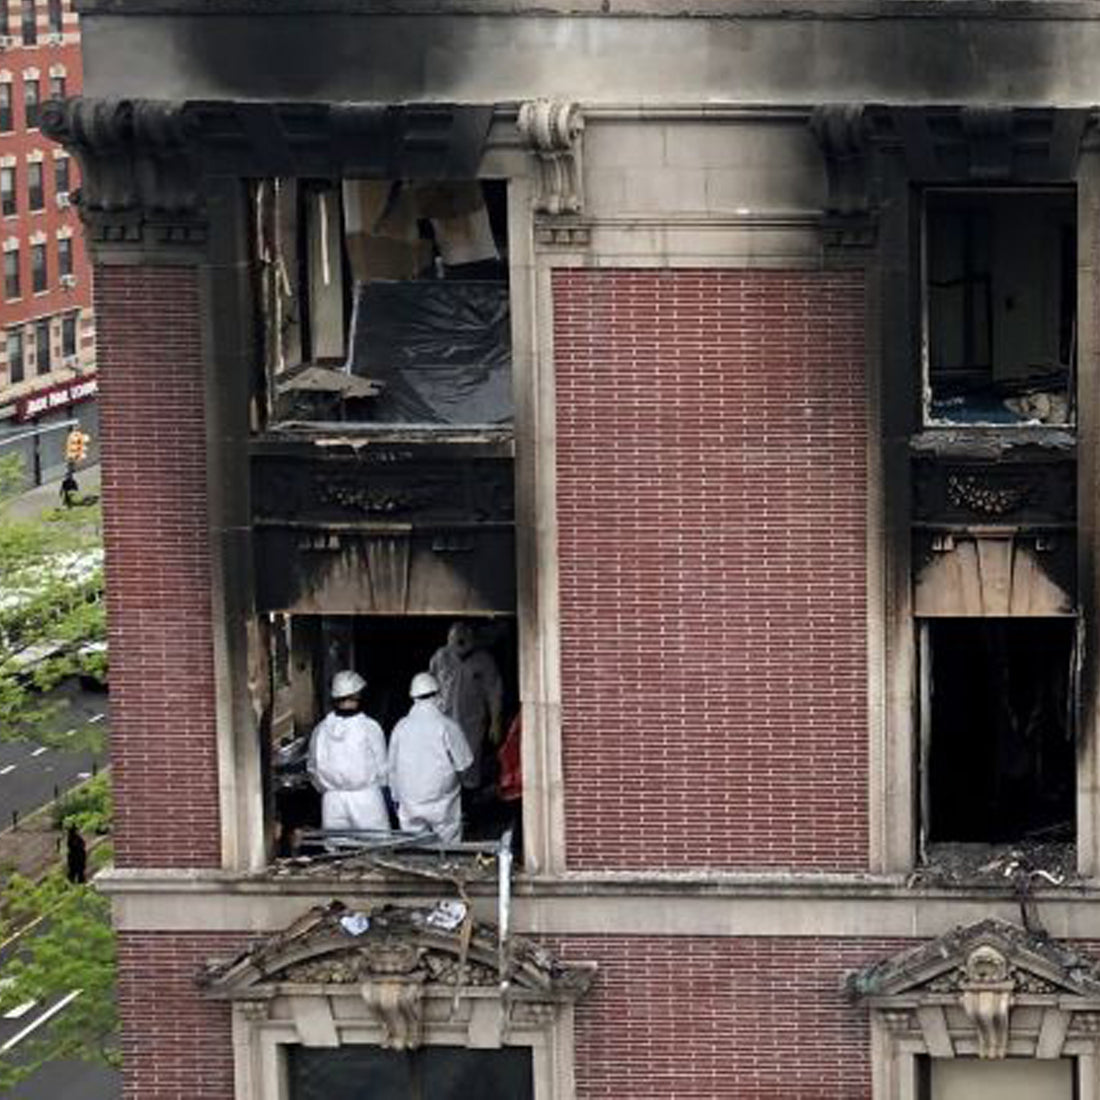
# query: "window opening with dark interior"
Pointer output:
{"type": "Point", "coordinates": [998, 732]}
{"type": "Point", "coordinates": [443, 1073]}
{"type": "Point", "coordinates": [385, 301]}
{"type": "Point", "coordinates": [475, 664]}
{"type": "Point", "coordinates": [1000, 339]}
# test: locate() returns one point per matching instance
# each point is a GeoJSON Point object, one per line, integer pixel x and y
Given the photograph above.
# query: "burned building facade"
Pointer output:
{"type": "Point", "coordinates": [731, 372]}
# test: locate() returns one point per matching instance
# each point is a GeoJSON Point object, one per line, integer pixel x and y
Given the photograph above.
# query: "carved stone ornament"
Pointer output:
{"type": "Point", "coordinates": [962, 989]}
{"type": "Point", "coordinates": [138, 172]}
{"type": "Point", "coordinates": [400, 963]}
{"type": "Point", "coordinates": [982, 496]}
{"type": "Point", "coordinates": [987, 996]}
{"type": "Point", "coordinates": [843, 133]}
{"type": "Point", "coordinates": [553, 130]}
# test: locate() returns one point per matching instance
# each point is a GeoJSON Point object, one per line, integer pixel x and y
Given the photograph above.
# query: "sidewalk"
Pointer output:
{"type": "Point", "coordinates": [46, 497]}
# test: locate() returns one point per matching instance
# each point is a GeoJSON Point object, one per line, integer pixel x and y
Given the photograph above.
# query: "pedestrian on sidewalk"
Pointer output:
{"type": "Point", "coordinates": [76, 861]}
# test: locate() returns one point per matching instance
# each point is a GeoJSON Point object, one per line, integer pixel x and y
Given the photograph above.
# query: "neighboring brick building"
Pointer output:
{"type": "Point", "coordinates": [734, 371]}
{"type": "Point", "coordinates": [47, 362]}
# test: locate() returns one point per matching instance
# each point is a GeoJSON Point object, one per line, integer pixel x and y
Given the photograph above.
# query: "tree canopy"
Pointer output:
{"type": "Point", "coordinates": [52, 621]}
{"type": "Point", "coordinates": [65, 944]}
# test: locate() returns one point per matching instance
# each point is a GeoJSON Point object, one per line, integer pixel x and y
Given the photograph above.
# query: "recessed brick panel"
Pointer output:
{"type": "Point", "coordinates": [705, 1018]}
{"type": "Point", "coordinates": [163, 745]}
{"type": "Point", "coordinates": [712, 451]}
{"type": "Point", "coordinates": [175, 1044]}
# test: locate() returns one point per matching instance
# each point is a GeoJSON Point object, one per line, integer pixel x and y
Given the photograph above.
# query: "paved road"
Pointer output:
{"type": "Point", "coordinates": [62, 1080]}
{"type": "Point", "coordinates": [29, 772]}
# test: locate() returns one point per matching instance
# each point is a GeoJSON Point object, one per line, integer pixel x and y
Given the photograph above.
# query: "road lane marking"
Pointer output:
{"type": "Point", "coordinates": [20, 1010]}
{"type": "Point", "coordinates": [8, 768]}
{"type": "Point", "coordinates": [35, 1024]}
{"type": "Point", "coordinates": [40, 750]}
{"type": "Point", "coordinates": [84, 775]}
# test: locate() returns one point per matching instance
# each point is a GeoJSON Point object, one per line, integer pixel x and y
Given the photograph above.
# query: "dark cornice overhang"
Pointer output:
{"type": "Point", "coordinates": [260, 139]}
{"type": "Point", "coordinates": [771, 10]}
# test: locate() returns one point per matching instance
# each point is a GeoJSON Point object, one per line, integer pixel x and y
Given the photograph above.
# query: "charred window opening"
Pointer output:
{"type": "Point", "coordinates": [385, 301]}
{"type": "Point", "coordinates": [999, 697]}
{"type": "Point", "coordinates": [1000, 306]}
{"type": "Point", "coordinates": [479, 690]}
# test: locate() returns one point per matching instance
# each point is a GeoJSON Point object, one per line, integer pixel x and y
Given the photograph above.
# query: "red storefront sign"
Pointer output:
{"type": "Point", "coordinates": [56, 397]}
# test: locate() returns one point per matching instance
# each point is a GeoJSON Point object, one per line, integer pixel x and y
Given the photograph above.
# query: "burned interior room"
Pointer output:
{"type": "Point", "coordinates": [1000, 752]}
{"type": "Point", "coordinates": [1000, 306]}
{"type": "Point", "coordinates": [382, 463]}
{"type": "Point", "coordinates": [388, 651]}
{"type": "Point", "coordinates": [386, 301]}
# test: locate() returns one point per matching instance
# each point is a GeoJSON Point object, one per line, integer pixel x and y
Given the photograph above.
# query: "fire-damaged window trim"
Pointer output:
{"type": "Point", "coordinates": [539, 689]}
{"type": "Point", "coordinates": [1021, 405]}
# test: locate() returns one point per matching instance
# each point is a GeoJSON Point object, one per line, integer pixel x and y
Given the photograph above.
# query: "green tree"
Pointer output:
{"type": "Point", "coordinates": [52, 623]}
{"type": "Point", "coordinates": [65, 943]}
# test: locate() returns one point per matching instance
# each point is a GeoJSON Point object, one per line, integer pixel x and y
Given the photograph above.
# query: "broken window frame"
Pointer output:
{"type": "Point", "coordinates": [295, 340]}
{"type": "Point", "coordinates": [928, 196]}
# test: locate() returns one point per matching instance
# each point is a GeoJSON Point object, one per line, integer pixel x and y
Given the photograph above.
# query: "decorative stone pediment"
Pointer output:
{"type": "Point", "coordinates": [403, 969]}
{"type": "Point", "coordinates": [989, 989]}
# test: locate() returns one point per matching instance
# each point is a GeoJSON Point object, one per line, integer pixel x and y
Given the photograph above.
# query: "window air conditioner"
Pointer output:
{"type": "Point", "coordinates": [6, 41]}
{"type": "Point", "coordinates": [55, 39]}
{"type": "Point", "coordinates": [68, 281]}
{"type": "Point", "coordinates": [62, 199]}
{"type": "Point", "coordinates": [71, 361]}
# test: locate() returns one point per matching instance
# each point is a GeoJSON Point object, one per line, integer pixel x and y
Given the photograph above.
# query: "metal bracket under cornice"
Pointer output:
{"type": "Point", "coordinates": [553, 130]}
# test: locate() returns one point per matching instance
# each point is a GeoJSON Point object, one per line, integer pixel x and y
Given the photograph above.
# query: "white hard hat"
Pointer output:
{"type": "Point", "coordinates": [347, 683]}
{"type": "Point", "coordinates": [423, 684]}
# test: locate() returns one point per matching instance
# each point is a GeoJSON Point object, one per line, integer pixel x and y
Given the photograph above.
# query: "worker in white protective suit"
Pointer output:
{"type": "Point", "coordinates": [347, 760]}
{"type": "Point", "coordinates": [428, 753]}
{"type": "Point", "coordinates": [471, 692]}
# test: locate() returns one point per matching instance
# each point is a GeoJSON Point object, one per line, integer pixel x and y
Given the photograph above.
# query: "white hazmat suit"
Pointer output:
{"type": "Point", "coordinates": [427, 753]}
{"type": "Point", "coordinates": [470, 691]}
{"type": "Point", "coordinates": [347, 760]}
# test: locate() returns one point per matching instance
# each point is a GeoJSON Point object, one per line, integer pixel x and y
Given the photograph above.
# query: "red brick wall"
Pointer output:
{"type": "Point", "coordinates": [175, 1044]}
{"type": "Point", "coordinates": [701, 1018]}
{"type": "Point", "coordinates": [163, 747]}
{"type": "Point", "coordinates": [711, 505]}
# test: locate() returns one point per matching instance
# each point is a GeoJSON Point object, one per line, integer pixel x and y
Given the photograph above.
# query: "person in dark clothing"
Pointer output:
{"type": "Point", "coordinates": [69, 489]}
{"type": "Point", "coordinates": [77, 860]}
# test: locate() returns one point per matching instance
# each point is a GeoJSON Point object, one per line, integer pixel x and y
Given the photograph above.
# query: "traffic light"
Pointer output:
{"type": "Point", "coordinates": [76, 446]}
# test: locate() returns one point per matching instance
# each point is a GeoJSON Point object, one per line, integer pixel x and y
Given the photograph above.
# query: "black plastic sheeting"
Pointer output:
{"type": "Point", "coordinates": [443, 350]}
{"type": "Point", "coordinates": [431, 1073]}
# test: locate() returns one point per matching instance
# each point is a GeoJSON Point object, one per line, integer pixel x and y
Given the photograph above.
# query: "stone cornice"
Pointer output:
{"type": "Point", "coordinates": [802, 10]}
{"type": "Point", "coordinates": [144, 162]}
